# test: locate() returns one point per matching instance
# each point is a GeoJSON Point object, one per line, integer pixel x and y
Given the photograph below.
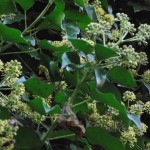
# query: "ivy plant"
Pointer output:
{"type": "Point", "coordinates": [71, 77]}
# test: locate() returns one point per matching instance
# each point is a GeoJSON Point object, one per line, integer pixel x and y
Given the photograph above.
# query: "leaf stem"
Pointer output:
{"type": "Point", "coordinates": [49, 131]}
{"type": "Point", "coordinates": [81, 103]}
{"type": "Point", "coordinates": [28, 51]}
{"type": "Point", "coordinates": [71, 99]}
{"type": "Point", "coordinates": [63, 136]}
{"type": "Point", "coordinates": [25, 19]}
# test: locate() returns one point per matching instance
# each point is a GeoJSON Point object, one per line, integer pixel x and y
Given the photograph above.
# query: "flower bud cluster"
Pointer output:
{"type": "Point", "coordinates": [13, 102]}
{"type": "Point", "coordinates": [146, 76]}
{"type": "Point", "coordinates": [140, 132]}
{"type": "Point", "coordinates": [7, 133]}
{"type": "Point", "coordinates": [1, 65]}
{"type": "Point", "coordinates": [61, 43]}
{"type": "Point", "coordinates": [147, 146]}
{"type": "Point", "coordinates": [105, 121]}
{"type": "Point", "coordinates": [143, 33]}
{"type": "Point", "coordinates": [137, 109]}
{"type": "Point", "coordinates": [11, 71]}
{"type": "Point", "coordinates": [43, 69]}
{"type": "Point", "coordinates": [129, 96]}
{"type": "Point", "coordinates": [125, 25]}
{"type": "Point", "coordinates": [129, 136]}
{"type": "Point", "coordinates": [147, 107]}
{"type": "Point", "coordinates": [143, 58]}
{"type": "Point", "coordinates": [131, 58]}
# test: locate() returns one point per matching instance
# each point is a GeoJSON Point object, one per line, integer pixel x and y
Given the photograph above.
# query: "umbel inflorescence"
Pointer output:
{"type": "Point", "coordinates": [116, 32]}
{"type": "Point", "coordinates": [10, 73]}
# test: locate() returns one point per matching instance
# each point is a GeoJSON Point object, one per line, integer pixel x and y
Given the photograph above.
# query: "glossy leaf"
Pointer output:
{"type": "Point", "coordinates": [79, 3]}
{"type": "Point", "coordinates": [70, 77]}
{"type": "Point", "coordinates": [121, 76]}
{"type": "Point", "coordinates": [81, 45]}
{"type": "Point", "coordinates": [60, 5]}
{"type": "Point", "coordinates": [91, 12]}
{"type": "Point", "coordinates": [27, 139]}
{"type": "Point", "coordinates": [100, 76]}
{"type": "Point", "coordinates": [103, 52]}
{"type": "Point", "coordinates": [135, 119]}
{"type": "Point", "coordinates": [54, 71]}
{"type": "Point", "coordinates": [7, 7]}
{"type": "Point", "coordinates": [69, 58]}
{"type": "Point", "coordinates": [111, 88]}
{"type": "Point", "coordinates": [25, 4]}
{"type": "Point", "coordinates": [11, 35]}
{"type": "Point", "coordinates": [39, 106]}
{"type": "Point", "coordinates": [109, 99]}
{"type": "Point", "coordinates": [39, 88]}
{"type": "Point", "coordinates": [71, 29]}
{"type": "Point", "coordinates": [99, 136]}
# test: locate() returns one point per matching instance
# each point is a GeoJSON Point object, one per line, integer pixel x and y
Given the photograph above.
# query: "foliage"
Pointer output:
{"type": "Point", "coordinates": [73, 77]}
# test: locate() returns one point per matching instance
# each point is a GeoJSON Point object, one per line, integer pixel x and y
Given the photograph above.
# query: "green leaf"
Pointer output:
{"type": "Point", "coordinates": [100, 76]}
{"type": "Point", "coordinates": [135, 119]}
{"type": "Point", "coordinates": [61, 97]}
{"type": "Point", "coordinates": [4, 113]}
{"type": "Point", "coordinates": [7, 7]}
{"type": "Point", "coordinates": [121, 76]}
{"type": "Point", "coordinates": [78, 16]}
{"type": "Point", "coordinates": [103, 52]}
{"type": "Point", "coordinates": [70, 58]}
{"type": "Point", "coordinates": [17, 18]}
{"type": "Point", "coordinates": [54, 71]}
{"type": "Point", "coordinates": [25, 4]}
{"type": "Point", "coordinates": [99, 136]}
{"type": "Point", "coordinates": [60, 5]}
{"type": "Point", "coordinates": [109, 99]}
{"type": "Point", "coordinates": [70, 77]}
{"type": "Point", "coordinates": [111, 88]}
{"type": "Point", "coordinates": [11, 34]}
{"type": "Point", "coordinates": [71, 29]}
{"type": "Point", "coordinates": [39, 106]}
{"type": "Point", "coordinates": [53, 20]}
{"type": "Point", "coordinates": [81, 45]}
{"type": "Point", "coordinates": [39, 88]}
{"type": "Point", "coordinates": [91, 13]}
{"type": "Point", "coordinates": [82, 19]}
{"type": "Point", "coordinates": [27, 139]}
{"type": "Point", "coordinates": [104, 4]}
{"type": "Point", "coordinates": [79, 3]}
